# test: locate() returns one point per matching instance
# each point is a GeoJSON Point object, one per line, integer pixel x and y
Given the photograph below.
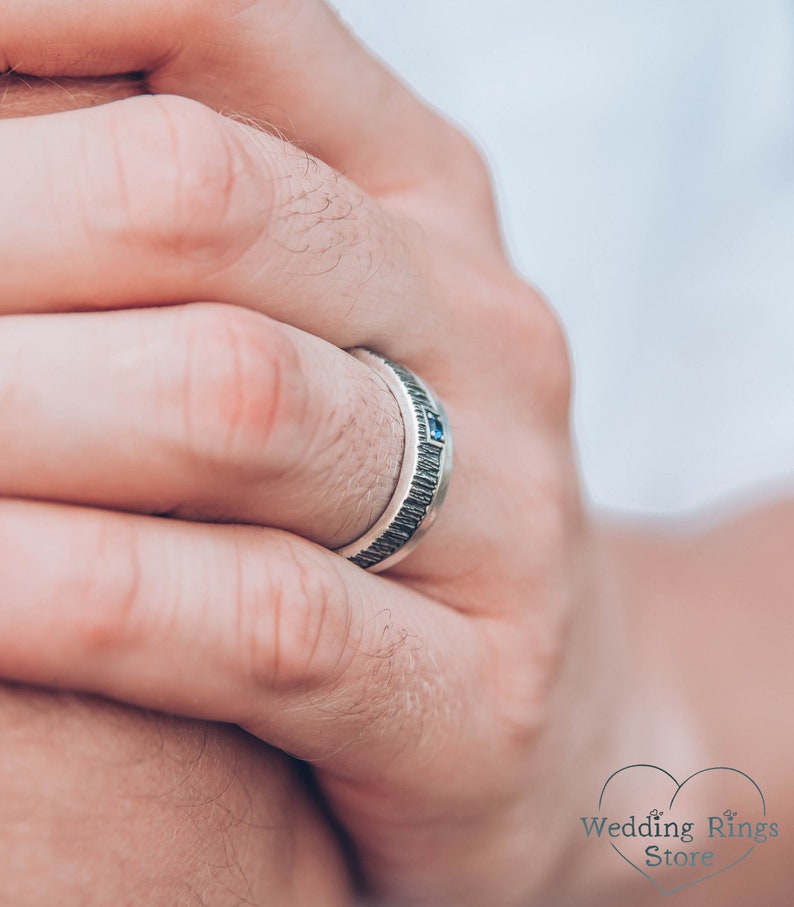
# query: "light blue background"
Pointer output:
{"type": "Point", "coordinates": [644, 157]}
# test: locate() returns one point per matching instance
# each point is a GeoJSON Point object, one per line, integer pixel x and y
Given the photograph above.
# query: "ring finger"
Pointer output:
{"type": "Point", "coordinates": [201, 411]}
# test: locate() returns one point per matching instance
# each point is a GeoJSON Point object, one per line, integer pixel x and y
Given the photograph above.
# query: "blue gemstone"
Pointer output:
{"type": "Point", "coordinates": [435, 427]}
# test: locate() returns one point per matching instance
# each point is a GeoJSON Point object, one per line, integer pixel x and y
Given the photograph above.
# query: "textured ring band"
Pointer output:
{"type": "Point", "coordinates": [424, 476]}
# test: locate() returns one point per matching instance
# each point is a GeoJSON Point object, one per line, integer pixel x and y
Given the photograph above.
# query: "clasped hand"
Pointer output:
{"type": "Point", "coordinates": [180, 275]}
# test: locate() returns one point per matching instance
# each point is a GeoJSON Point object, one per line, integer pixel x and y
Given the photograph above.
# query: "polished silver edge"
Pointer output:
{"type": "Point", "coordinates": [424, 474]}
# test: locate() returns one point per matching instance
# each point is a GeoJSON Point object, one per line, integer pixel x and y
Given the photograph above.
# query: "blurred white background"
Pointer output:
{"type": "Point", "coordinates": [644, 157]}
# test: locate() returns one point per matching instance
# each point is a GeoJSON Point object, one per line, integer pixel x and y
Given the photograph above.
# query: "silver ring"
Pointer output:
{"type": "Point", "coordinates": [424, 475]}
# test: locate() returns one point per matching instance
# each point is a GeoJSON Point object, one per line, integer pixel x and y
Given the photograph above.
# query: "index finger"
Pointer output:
{"type": "Point", "coordinates": [288, 63]}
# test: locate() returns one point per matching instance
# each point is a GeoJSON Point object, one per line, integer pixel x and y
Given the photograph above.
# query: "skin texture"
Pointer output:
{"type": "Point", "coordinates": [508, 640]}
{"type": "Point", "coordinates": [108, 804]}
{"type": "Point", "coordinates": [104, 804]}
{"type": "Point", "coordinates": [367, 678]}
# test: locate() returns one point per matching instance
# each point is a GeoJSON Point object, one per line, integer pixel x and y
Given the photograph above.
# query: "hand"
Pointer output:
{"type": "Point", "coordinates": [441, 705]}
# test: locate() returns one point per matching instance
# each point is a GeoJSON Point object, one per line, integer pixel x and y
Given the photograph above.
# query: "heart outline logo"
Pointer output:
{"type": "Point", "coordinates": [678, 787]}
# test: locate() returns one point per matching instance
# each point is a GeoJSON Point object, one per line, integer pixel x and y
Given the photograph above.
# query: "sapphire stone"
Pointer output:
{"type": "Point", "coordinates": [435, 427]}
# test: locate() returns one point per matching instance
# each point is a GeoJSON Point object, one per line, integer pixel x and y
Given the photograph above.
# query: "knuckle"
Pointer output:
{"type": "Point", "coordinates": [471, 162]}
{"type": "Point", "coordinates": [299, 640]}
{"type": "Point", "coordinates": [237, 390]}
{"type": "Point", "coordinates": [460, 163]}
{"type": "Point", "coordinates": [105, 599]}
{"type": "Point", "coordinates": [179, 171]}
{"type": "Point", "coordinates": [552, 356]}
{"type": "Point", "coordinates": [523, 711]}
{"type": "Point", "coordinates": [534, 330]}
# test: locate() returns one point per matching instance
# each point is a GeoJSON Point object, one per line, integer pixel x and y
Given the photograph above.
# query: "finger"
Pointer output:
{"type": "Point", "coordinates": [159, 200]}
{"type": "Point", "coordinates": [202, 411]}
{"type": "Point", "coordinates": [238, 624]}
{"type": "Point", "coordinates": [290, 64]}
